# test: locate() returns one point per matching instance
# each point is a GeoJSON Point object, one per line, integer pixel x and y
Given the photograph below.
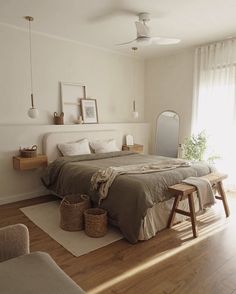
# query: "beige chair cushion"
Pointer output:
{"type": "Point", "coordinates": [14, 241]}
{"type": "Point", "coordinates": [35, 273]}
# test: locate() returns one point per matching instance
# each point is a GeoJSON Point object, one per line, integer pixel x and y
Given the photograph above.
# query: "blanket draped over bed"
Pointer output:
{"type": "Point", "coordinates": [130, 194]}
{"type": "Point", "coordinates": [102, 180]}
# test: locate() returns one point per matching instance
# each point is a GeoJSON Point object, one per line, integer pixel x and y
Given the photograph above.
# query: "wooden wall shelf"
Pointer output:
{"type": "Point", "coordinates": [135, 148]}
{"type": "Point", "coordinates": [22, 163]}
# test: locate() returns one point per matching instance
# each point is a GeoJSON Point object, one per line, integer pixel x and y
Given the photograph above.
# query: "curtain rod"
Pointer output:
{"type": "Point", "coordinates": [216, 42]}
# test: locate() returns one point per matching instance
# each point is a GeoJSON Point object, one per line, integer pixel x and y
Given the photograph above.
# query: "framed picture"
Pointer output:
{"type": "Point", "coordinates": [89, 111]}
{"type": "Point", "coordinates": [71, 93]}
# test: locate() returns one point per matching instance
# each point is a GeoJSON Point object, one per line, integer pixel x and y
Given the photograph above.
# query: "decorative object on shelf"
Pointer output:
{"type": "Point", "coordinates": [33, 111]}
{"type": "Point", "coordinates": [135, 112]}
{"type": "Point", "coordinates": [95, 220]}
{"type": "Point", "coordinates": [71, 93]}
{"type": "Point", "coordinates": [29, 151]}
{"type": "Point", "coordinates": [58, 119]}
{"type": "Point", "coordinates": [89, 111]}
{"type": "Point", "coordinates": [72, 209]}
{"type": "Point", "coordinates": [79, 120]}
{"type": "Point", "coordinates": [22, 163]}
{"type": "Point", "coordinates": [135, 148]}
{"type": "Point", "coordinates": [129, 140]}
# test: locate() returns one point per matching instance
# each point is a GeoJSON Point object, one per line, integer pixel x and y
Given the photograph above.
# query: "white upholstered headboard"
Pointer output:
{"type": "Point", "coordinates": [50, 140]}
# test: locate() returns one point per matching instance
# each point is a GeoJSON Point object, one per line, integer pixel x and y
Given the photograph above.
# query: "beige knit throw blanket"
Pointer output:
{"type": "Point", "coordinates": [204, 191]}
{"type": "Point", "coordinates": [102, 180]}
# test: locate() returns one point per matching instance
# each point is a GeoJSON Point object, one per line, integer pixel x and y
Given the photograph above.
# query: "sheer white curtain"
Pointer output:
{"type": "Point", "coordinates": [215, 102]}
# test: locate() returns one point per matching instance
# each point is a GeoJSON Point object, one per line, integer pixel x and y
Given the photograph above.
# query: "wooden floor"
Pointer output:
{"type": "Point", "coordinates": [172, 262]}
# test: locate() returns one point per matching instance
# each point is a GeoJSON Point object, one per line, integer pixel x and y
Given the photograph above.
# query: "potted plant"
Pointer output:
{"type": "Point", "coordinates": [195, 148]}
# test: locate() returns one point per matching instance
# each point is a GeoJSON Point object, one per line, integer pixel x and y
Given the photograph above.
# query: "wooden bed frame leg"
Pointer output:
{"type": "Point", "coordinates": [223, 197]}
{"type": "Point", "coordinates": [173, 212]}
{"type": "Point", "coordinates": [193, 215]}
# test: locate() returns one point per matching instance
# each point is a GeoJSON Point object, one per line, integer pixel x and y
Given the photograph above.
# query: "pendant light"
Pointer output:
{"type": "Point", "coordinates": [135, 112]}
{"type": "Point", "coordinates": [33, 111]}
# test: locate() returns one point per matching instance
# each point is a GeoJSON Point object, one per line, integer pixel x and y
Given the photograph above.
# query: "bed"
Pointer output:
{"type": "Point", "coordinates": [139, 204]}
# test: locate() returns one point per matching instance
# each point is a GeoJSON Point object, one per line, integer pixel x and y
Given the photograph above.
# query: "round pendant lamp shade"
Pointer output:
{"type": "Point", "coordinates": [33, 112]}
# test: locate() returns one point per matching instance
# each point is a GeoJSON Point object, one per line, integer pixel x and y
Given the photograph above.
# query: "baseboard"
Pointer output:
{"type": "Point", "coordinates": [23, 196]}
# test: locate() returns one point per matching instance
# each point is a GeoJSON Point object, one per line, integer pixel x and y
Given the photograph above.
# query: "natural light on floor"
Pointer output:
{"type": "Point", "coordinates": [211, 223]}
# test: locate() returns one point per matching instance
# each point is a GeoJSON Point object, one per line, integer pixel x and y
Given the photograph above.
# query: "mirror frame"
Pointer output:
{"type": "Point", "coordinates": [156, 131]}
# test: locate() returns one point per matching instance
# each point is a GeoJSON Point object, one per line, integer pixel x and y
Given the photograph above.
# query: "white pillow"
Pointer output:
{"type": "Point", "coordinates": [75, 148]}
{"type": "Point", "coordinates": [103, 146]}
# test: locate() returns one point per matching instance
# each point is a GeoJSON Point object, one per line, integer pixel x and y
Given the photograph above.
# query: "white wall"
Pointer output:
{"type": "Point", "coordinates": [169, 86]}
{"type": "Point", "coordinates": [107, 75]}
{"type": "Point", "coordinates": [166, 82]}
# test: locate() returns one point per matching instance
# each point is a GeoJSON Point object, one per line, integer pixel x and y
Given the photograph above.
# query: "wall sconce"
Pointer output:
{"type": "Point", "coordinates": [33, 111]}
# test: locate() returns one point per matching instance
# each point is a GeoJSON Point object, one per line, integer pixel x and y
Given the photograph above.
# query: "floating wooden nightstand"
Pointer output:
{"type": "Point", "coordinates": [22, 163]}
{"type": "Point", "coordinates": [135, 148]}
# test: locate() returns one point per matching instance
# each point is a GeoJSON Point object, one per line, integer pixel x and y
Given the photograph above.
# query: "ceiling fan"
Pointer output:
{"type": "Point", "coordinates": [144, 35]}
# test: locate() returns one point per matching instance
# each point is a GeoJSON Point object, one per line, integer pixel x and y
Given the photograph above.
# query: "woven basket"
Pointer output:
{"type": "Point", "coordinates": [95, 222]}
{"type": "Point", "coordinates": [72, 212]}
{"type": "Point", "coordinates": [29, 152]}
{"type": "Point", "coordinates": [58, 119]}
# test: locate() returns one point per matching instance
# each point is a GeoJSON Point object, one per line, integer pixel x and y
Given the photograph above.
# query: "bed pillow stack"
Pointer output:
{"type": "Point", "coordinates": [75, 148]}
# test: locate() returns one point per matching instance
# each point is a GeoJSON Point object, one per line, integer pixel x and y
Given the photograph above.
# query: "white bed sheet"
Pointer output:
{"type": "Point", "coordinates": [157, 217]}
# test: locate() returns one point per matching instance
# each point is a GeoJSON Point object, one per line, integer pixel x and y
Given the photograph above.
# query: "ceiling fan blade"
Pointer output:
{"type": "Point", "coordinates": [126, 43]}
{"type": "Point", "coordinates": [165, 41]}
{"type": "Point", "coordinates": [142, 29]}
{"type": "Point", "coordinates": [111, 13]}
{"type": "Point", "coordinates": [113, 8]}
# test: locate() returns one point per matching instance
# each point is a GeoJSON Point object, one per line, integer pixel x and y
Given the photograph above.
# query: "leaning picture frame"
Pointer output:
{"type": "Point", "coordinates": [89, 111]}
{"type": "Point", "coordinates": [71, 93]}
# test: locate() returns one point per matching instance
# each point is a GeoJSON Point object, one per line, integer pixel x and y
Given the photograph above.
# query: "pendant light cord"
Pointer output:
{"type": "Point", "coordinates": [134, 106]}
{"type": "Point", "coordinates": [31, 65]}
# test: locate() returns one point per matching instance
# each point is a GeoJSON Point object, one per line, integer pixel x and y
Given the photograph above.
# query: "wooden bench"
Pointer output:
{"type": "Point", "coordinates": [182, 191]}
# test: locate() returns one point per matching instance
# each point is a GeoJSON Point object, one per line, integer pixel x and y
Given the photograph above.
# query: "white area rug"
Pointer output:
{"type": "Point", "coordinates": [47, 217]}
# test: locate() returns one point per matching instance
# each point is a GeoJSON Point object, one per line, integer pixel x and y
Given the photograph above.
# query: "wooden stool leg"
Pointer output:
{"type": "Point", "coordinates": [221, 191]}
{"type": "Point", "coordinates": [193, 215]}
{"type": "Point", "coordinates": [173, 212]}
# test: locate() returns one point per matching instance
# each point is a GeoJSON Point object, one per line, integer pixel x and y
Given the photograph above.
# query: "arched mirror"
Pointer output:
{"type": "Point", "coordinates": [167, 134]}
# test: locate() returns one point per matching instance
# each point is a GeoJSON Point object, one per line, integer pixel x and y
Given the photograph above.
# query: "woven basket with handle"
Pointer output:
{"type": "Point", "coordinates": [72, 212]}
{"type": "Point", "coordinates": [58, 119]}
{"type": "Point", "coordinates": [95, 222]}
{"type": "Point", "coordinates": [29, 152]}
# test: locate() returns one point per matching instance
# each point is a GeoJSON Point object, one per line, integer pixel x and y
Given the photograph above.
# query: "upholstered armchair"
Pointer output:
{"type": "Point", "coordinates": [14, 241]}
{"type": "Point", "coordinates": [24, 272]}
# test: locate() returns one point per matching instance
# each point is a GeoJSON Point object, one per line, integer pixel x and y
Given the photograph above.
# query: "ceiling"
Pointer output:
{"type": "Point", "coordinates": [104, 23]}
